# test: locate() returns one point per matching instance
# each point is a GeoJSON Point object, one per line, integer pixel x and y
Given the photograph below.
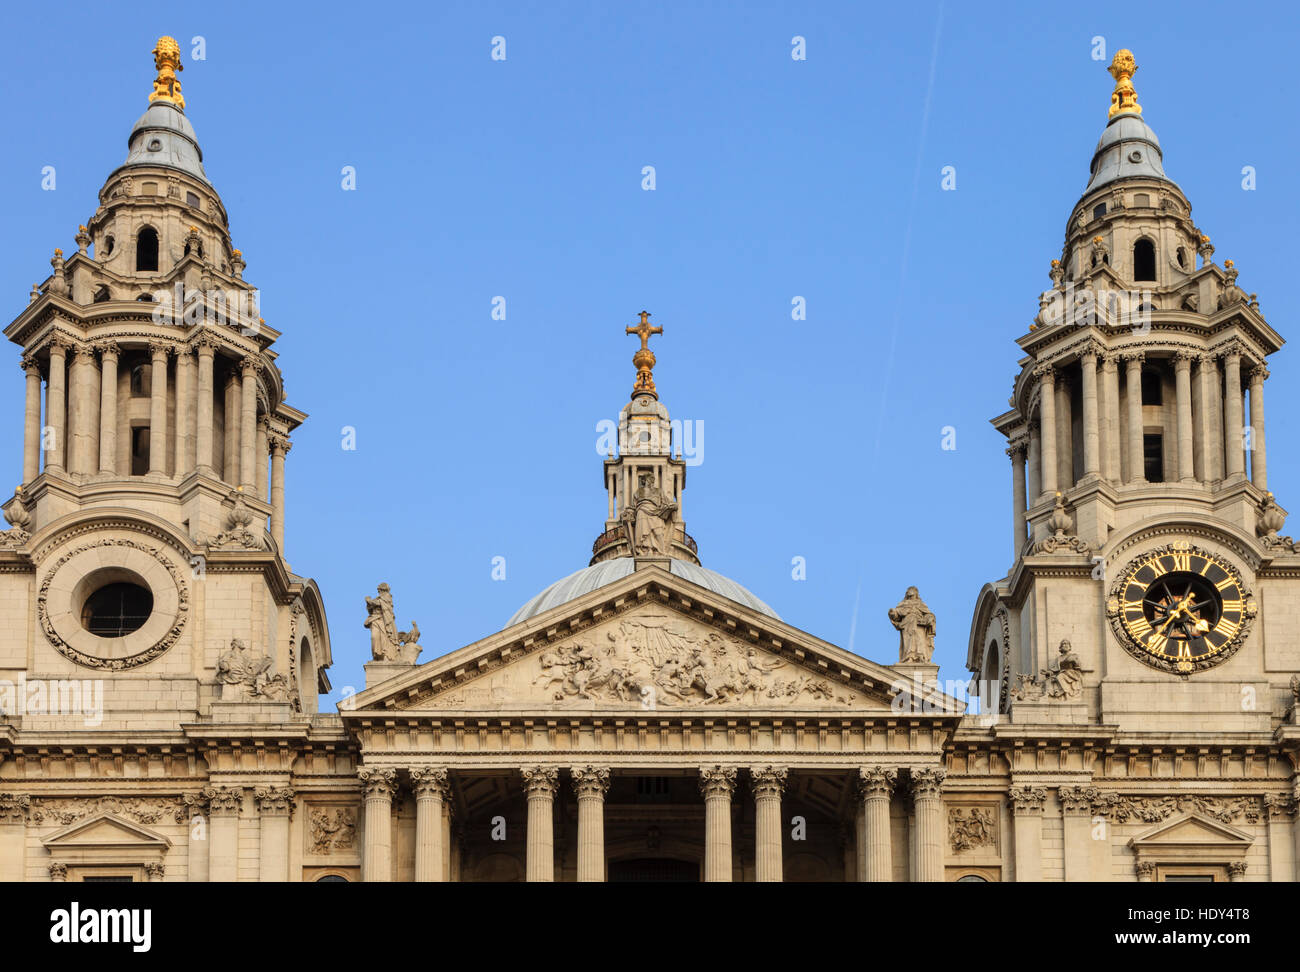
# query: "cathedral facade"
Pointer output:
{"type": "Point", "coordinates": [644, 718]}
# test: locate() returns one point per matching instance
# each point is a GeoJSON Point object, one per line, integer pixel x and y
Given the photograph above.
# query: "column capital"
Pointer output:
{"type": "Point", "coordinates": [1027, 798]}
{"type": "Point", "coordinates": [541, 780]}
{"type": "Point", "coordinates": [1184, 357]}
{"type": "Point", "coordinates": [378, 782]}
{"type": "Point", "coordinates": [876, 781]}
{"type": "Point", "coordinates": [161, 349]}
{"type": "Point", "coordinates": [1077, 798]}
{"type": "Point", "coordinates": [279, 442]}
{"type": "Point", "coordinates": [430, 781]}
{"type": "Point", "coordinates": [108, 348]}
{"type": "Point", "coordinates": [1045, 372]}
{"type": "Point", "coordinates": [1110, 360]}
{"type": "Point", "coordinates": [248, 366]}
{"type": "Point", "coordinates": [30, 365]}
{"type": "Point", "coordinates": [1230, 349]}
{"type": "Point", "coordinates": [1258, 373]}
{"type": "Point", "coordinates": [224, 799]}
{"type": "Point", "coordinates": [1145, 870]}
{"type": "Point", "coordinates": [1091, 349]}
{"type": "Point", "coordinates": [58, 871]}
{"type": "Point", "coordinates": [205, 344]}
{"type": "Point", "coordinates": [717, 781]}
{"type": "Point", "coordinates": [1237, 870]}
{"type": "Point", "coordinates": [1280, 805]}
{"type": "Point", "coordinates": [84, 353]}
{"type": "Point", "coordinates": [14, 807]}
{"type": "Point", "coordinates": [768, 781]}
{"type": "Point", "coordinates": [928, 783]}
{"type": "Point", "coordinates": [1018, 449]}
{"type": "Point", "coordinates": [1133, 358]}
{"type": "Point", "coordinates": [155, 870]}
{"type": "Point", "coordinates": [590, 781]}
{"type": "Point", "coordinates": [274, 801]}
{"type": "Point", "coordinates": [59, 344]}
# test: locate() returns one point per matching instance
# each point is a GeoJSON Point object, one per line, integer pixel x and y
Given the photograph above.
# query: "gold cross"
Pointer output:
{"type": "Point", "coordinates": [644, 330]}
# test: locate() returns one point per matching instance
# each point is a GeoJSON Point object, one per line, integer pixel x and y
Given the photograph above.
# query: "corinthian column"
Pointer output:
{"type": "Point", "coordinates": [275, 806]}
{"type": "Point", "coordinates": [32, 420]}
{"type": "Point", "coordinates": [1137, 468]}
{"type": "Point", "coordinates": [717, 784]}
{"type": "Point", "coordinates": [875, 845]}
{"type": "Point", "coordinates": [380, 786]}
{"type": "Point", "coordinates": [203, 418]}
{"type": "Point", "coordinates": [1027, 807]}
{"type": "Point", "coordinates": [540, 783]}
{"type": "Point", "coordinates": [927, 804]}
{"type": "Point", "coordinates": [1207, 373]}
{"type": "Point", "coordinates": [769, 784]}
{"type": "Point", "coordinates": [1091, 420]}
{"type": "Point", "coordinates": [182, 463]}
{"type": "Point", "coordinates": [80, 408]}
{"type": "Point", "coordinates": [590, 783]}
{"type": "Point", "coordinates": [225, 803]}
{"type": "Point", "coordinates": [1018, 498]}
{"type": "Point", "coordinates": [248, 425]}
{"type": "Point", "coordinates": [431, 790]}
{"type": "Point", "coordinates": [56, 406]}
{"type": "Point", "coordinates": [158, 408]}
{"type": "Point", "coordinates": [1232, 417]}
{"type": "Point", "coordinates": [230, 456]}
{"type": "Point", "coordinates": [1047, 428]}
{"type": "Point", "coordinates": [108, 352]}
{"type": "Point", "coordinates": [1258, 463]}
{"type": "Point", "coordinates": [1183, 392]}
{"type": "Point", "coordinates": [1110, 418]}
{"type": "Point", "coordinates": [280, 446]}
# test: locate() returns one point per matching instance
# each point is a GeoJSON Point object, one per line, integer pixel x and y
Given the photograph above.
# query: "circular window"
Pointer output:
{"type": "Point", "coordinates": [1135, 156]}
{"type": "Point", "coordinates": [117, 609]}
{"type": "Point", "coordinates": [155, 145]}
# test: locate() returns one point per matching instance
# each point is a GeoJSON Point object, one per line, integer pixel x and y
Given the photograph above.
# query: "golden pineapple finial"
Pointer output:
{"type": "Point", "coordinates": [167, 59]}
{"type": "Point", "coordinates": [1123, 99]}
{"type": "Point", "coordinates": [644, 359]}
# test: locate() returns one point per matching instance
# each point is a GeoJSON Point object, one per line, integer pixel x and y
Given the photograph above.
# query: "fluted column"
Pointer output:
{"type": "Point", "coordinates": [1232, 414]}
{"type": "Point", "coordinates": [540, 783]}
{"type": "Point", "coordinates": [380, 786]}
{"type": "Point", "coordinates": [203, 408]}
{"type": "Point", "coordinates": [1027, 809]}
{"type": "Point", "coordinates": [717, 783]}
{"type": "Point", "coordinates": [263, 452]}
{"type": "Point", "coordinates": [248, 425]}
{"type": "Point", "coordinates": [875, 845]}
{"type": "Point", "coordinates": [1065, 471]}
{"type": "Point", "coordinates": [1183, 392]}
{"type": "Point", "coordinates": [927, 804]}
{"type": "Point", "coordinates": [1137, 469]}
{"type": "Point", "coordinates": [1047, 428]}
{"type": "Point", "coordinates": [32, 420]}
{"type": "Point", "coordinates": [233, 417]}
{"type": "Point", "coordinates": [1207, 373]}
{"type": "Point", "coordinates": [275, 805]}
{"type": "Point", "coordinates": [280, 446]}
{"type": "Point", "coordinates": [225, 803]}
{"type": "Point", "coordinates": [1018, 507]}
{"type": "Point", "coordinates": [1258, 462]}
{"type": "Point", "coordinates": [56, 406]}
{"type": "Point", "coordinates": [183, 447]}
{"type": "Point", "coordinates": [1076, 808]}
{"type": "Point", "coordinates": [768, 785]}
{"type": "Point", "coordinates": [81, 410]}
{"type": "Point", "coordinates": [1110, 418]}
{"type": "Point", "coordinates": [590, 783]}
{"type": "Point", "coordinates": [1091, 418]}
{"type": "Point", "coordinates": [158, 408]}
{"type": "Point", "coordinates": [108, 354]}
{"type": "Point", "coordinates": [431, 789]}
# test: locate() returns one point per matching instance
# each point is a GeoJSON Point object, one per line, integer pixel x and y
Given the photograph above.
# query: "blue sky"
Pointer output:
{"type": "Point", "coordinates": [775, 178]}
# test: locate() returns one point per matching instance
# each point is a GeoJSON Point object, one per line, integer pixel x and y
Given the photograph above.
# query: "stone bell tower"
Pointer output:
{"type": "Point", "coordinates": [1144, 537]}
{"type": "Point", "coordinates": [647, 476]}
{"type": "Point", "coordinates": [148, 530]}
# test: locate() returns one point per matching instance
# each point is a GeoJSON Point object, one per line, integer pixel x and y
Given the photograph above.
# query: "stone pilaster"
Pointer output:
{"type": "Point", "coordinates": [1233, 425]}
{"type": "Point", "coordinates": [183, 447]}
{"type": "Point", "coordinates": [13, 827]}
{"type": "Point", "coordinates": [590, 783]}
{"type": "Point", "coordinates": [248, 425]}
{"type": "Point", "coordinates": [56, 406]}
{"type": "Point", "coordinates": [540, 783]}
{"type": "Point", "coordinates": [1110, 440]}
{"type": "Point", "coordinates": [204, 401]}
{"type": "Point", "coordinates": [275, 805]}
{"type": "Point", "coordinates": [1137, 469]}
{"type": "Point", "coordinates": [1280, 809]}
{"type": "Point", "coordinates": [108, 356]}
{"type": "Point", "coordinates": [380, 787]}
{"type": "Point", "coordinates": [432, 789]}
{"type": "Point", "coordinates": [1091, 416]}
{"type": "Point", "coordinates": [717, 783]}
{"type": "Point", "coordinates": [768, 784]}
{"type": "Point", "coordinates": [1047, 429]}
{"type": "Point", "coordinates": [158, 352]}
{"type": "Point", "coordinates": [81, 393]}
{"type": "Point", "coordinates": [875, 843]}
{"type": "Point", "coordinates": [1183, 394]}
{"type": "Point", "coordinates": [1207, 373]}
{"type": "Point", "coordinates": [928, 825]}
{"type": "Point", "coordinates": [1027, 809]}
{"type": "Point", "coordinates": [1076, 806]}
{"type": "Point", "coordinates": [226, 803]}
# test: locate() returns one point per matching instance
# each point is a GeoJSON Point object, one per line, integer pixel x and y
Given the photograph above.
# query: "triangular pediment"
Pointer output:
{"type": "Point", "coordinates": [105, 830]}
{"type": "Point", "coordinates": [1191, 830]}
{"type": "Point", "coordinates": [648, 641]}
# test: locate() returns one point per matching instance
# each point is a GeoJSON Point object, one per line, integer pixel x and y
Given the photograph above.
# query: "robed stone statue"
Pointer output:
{"type": "Point", "coordinates": [915, 624]}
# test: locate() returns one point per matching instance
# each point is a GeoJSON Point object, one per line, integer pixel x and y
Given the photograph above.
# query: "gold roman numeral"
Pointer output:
{"type": "Point", "coordinates": [1156, 643]}
{"type": "Point", "coordinates": [1140, 628]}
{"type": "Point", "coordinates": [1182, 560]}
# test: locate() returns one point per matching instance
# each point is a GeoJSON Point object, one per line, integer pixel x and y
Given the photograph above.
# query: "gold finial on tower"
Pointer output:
{"type": "Point", "coordinates": [644, 359]}
{"type": "Point", "coordinates": [167, 59]}
{"type": "Point", "coordinates": [1123, 99]}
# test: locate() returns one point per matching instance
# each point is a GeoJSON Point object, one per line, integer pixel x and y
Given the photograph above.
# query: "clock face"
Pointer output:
{"type": "Point", "coordinates": [1180, 608]}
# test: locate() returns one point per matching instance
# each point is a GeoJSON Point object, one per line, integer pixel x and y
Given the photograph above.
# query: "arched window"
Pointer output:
{"type": "Point", "coordinates": [1099, 211]}
{"type": "Point", "coordinates": [1181, 256]}
{"type": "Point", "coordinates": [1144, 260]}
{"type": "Point", "coordinates": [109, 243]}
{"type": "Point", "coordinates": [146, 249]}
{"type": "Point", "coordinates": [141, 386]}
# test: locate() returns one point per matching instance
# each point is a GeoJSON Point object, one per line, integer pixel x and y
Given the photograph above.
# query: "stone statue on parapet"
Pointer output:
{"type": "Point", "coordinates": [916, 626]}
{"type": "Point", "coordinates": [386, 642]}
